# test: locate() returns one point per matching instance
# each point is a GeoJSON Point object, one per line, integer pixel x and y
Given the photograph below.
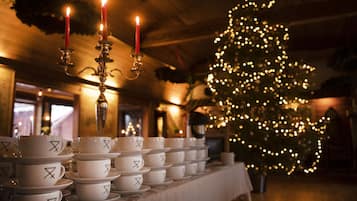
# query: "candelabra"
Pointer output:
{"type": "Point", "coordinates": [104, 47]}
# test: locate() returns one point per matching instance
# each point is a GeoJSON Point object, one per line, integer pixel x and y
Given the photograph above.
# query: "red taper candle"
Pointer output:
{"type": "Point", "coordinates": [104, 17]}
{"type": "Point", "coordinates": [137, 35]}
{"type": "Point", "coordinates": [67, 27]}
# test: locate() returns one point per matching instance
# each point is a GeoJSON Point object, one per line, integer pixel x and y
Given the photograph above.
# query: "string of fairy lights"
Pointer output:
{"type": "Point", "coordinates": [256, 85]}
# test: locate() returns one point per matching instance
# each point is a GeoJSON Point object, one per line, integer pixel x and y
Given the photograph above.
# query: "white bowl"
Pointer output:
{"type": "Point", "coordinates": [131, 163]}
{"type": "Point", "coordinates": [201, 166]}
{"type": "Point", "coordinates": [131, 143]}
{"type": "Point", "coordinates": [191, 155]}
{"type": "Point", "coordinates": [155, 176]}
{"type": "Point", "coordinates": [202, 154]}
{"type": "Point", "coordinates": [190, 142]}
{"type": "Point", "coordinates": [155, 160]}
{"type": "Point", "coordinates": [191, 169]}
{"type": "Point", "coordinates": [93, 192]}
{"type": "Point", "coordinates": [175, 157]}
{"type": "Point", "coordinates": [176, 172]}
{"type": "Point", "coordinates": [154, 142]}
{"type": "Point", "coordinates": [129, 182]}
{"type": "Point", "coordinates": [174, 142]}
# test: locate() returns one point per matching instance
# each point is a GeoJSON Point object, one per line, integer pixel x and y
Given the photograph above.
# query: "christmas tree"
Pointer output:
{"type": "Point", "coordinates": [259, 90]}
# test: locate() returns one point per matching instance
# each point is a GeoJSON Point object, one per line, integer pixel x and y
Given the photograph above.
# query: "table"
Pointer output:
{"type": "Point", "coordinates": [220, 183]}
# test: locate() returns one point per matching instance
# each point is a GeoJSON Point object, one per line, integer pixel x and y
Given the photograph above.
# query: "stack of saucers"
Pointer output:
{"type": "Point", "coordinates": [202, 155]}
{"type": "Point", "coordinates": [176, 157]}
{"type": "Point", "coordinates": [155, 160]}
{"type": "Point", "coordinates": [130, 163]}
{"type": "Point", "coordinates": [190, 156]}
{"type": "Point", "coordinates": [94, 175]}
{"type": "Point", "coordinates": [39, 170]}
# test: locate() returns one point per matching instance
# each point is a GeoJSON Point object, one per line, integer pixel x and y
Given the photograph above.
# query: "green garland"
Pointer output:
{"type": "Point", "coordinates": [48, 16]}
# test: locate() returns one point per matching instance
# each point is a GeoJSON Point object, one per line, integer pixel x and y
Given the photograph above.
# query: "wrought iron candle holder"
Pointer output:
{"type": "Point", "coordinates": [102, 72]}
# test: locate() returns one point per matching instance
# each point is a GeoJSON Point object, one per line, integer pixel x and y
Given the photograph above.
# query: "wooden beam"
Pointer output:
{"type": "Point", "coordinates": [296, 15]}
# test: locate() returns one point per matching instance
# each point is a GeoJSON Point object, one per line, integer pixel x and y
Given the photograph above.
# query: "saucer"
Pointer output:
{"type": "Point", "coordinates": [154, 151]}
{"type": "Point", "coordinates": [183, 163]}
{"type": "Point", "coordinates": [178, 149]}
{"type": "Point", "coordinates": [40, 160]}
{"type": "Point", "coordinates": [142, 189]}
{"type": "Point", "coordinates": [61, 184]}
{"type": "Point", "coordinates": [183, 178]}
{"type": "Point", "coordinates": [205, 159]}
{"type": "Point", "coordinates": [165, 183]}
{"type": "Point", "coordinates": [128, 173]}
{"type": "Point", "coordinates": [95, 156]}
{"type": "Point", "coordinates": [111, 197]}
{"type": "Point", "coordinates": [129, 153]}
{"type": "Point", "coordinates": [159, 168]}
{"type": "Point", "coordinates": [75, 176]}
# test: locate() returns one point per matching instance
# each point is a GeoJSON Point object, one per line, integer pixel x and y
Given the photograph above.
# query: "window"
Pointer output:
{"type": "Point", "coordinates": [43, 110]}
{"type": "Point", "coordinates": [23, 123]}
{"type": "Point", "coordinates": [62, 121]}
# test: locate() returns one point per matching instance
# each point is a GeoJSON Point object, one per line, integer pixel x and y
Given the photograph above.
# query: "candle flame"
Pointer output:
{"type": "Point", "coordinates": [68, 11]}
{"type": "Point", "coordinates": [104, 2]}
{"type": "Point", "coordinates": [137, 19]}
{"type": "Point", "coordinates": [101, 27]}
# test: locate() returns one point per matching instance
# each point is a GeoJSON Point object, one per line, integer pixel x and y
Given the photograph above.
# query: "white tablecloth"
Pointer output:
{"type": "Point", "coordinates": [218, 184]}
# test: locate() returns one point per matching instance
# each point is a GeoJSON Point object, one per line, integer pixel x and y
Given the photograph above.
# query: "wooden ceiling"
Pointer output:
{"type": "Point", "coordinates": [177, 33]}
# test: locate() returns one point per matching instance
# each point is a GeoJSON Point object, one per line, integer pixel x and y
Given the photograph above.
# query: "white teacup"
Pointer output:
{"type": "Point", "coordinates": [41, 145]}
{"type": "Point", "coordinates": [130, 163]}
{"type": "Point", "coordinates": [154, 142]}
{"type": "Point", "coordinates": [227, 158]}
{"type": "Point", "coordinates": [190, 142]}
{"type": "Point", "coordinates": [39, 174]}
{"type": "Point", "coordinates": [131, 143]}
{"type": "Point", "coordinates": [175, 143]}
{"type": "Point", "coordinates": [191, 169]}
{"type": "Point", "coordinates": [93, 168]}
{"type": "Point", "coordinates": [155, 160]}
{"type": "Point", "coordinates": [52, 196]}
{"type": "Point", "coordinates": [155, 176]}
{"type": "Point", "coordinates": [202, 154]}
{"type": "Point", "coordinates": [191, 155]}
{"type": "Point", "coordinates": [129, 182]}
{"type": "Point", "coordinates": [6, 171]}
{"type": "Point", "coordinates": [176, 172]}
{"type": "Point", "coordinates": [8, 146]}
{"type": "Point", "coordinates": [201, 167]}
{"type": "Point", "coordinates": [200, 142]}
{"type": "Point", "coordinates": [93, 192]}
{"type": "Point", "coordinates": [95, 144]}
{"type": "Point", "coordinates": [175, 157]}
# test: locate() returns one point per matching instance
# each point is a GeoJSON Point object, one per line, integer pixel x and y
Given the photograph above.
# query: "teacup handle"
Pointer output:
{"type": "Point", "coordinates": [63, 171]}
{"type": "Point", "coordinates": [63, 145]}
{"type": "Point", "coordinates": [60, 196]}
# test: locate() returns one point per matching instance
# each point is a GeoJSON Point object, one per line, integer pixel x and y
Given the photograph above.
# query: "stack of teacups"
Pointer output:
{"type": "Point", "coordinates": [8, 149]}
{"type": "Point", "coordinates": [39, 170]}
{"type": "Point", "coordinates": [191, 156]}
{"type": "Point", "coordinates": [155, 160]}
{"type": "Point", "coordinates": [130, 163]}
{"type": "Point", "coordinates": [94, 175]}
{"type": "Point", "coordinates": [176, 157]}
{"type": "Point", "coordinates": [202, 155]}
